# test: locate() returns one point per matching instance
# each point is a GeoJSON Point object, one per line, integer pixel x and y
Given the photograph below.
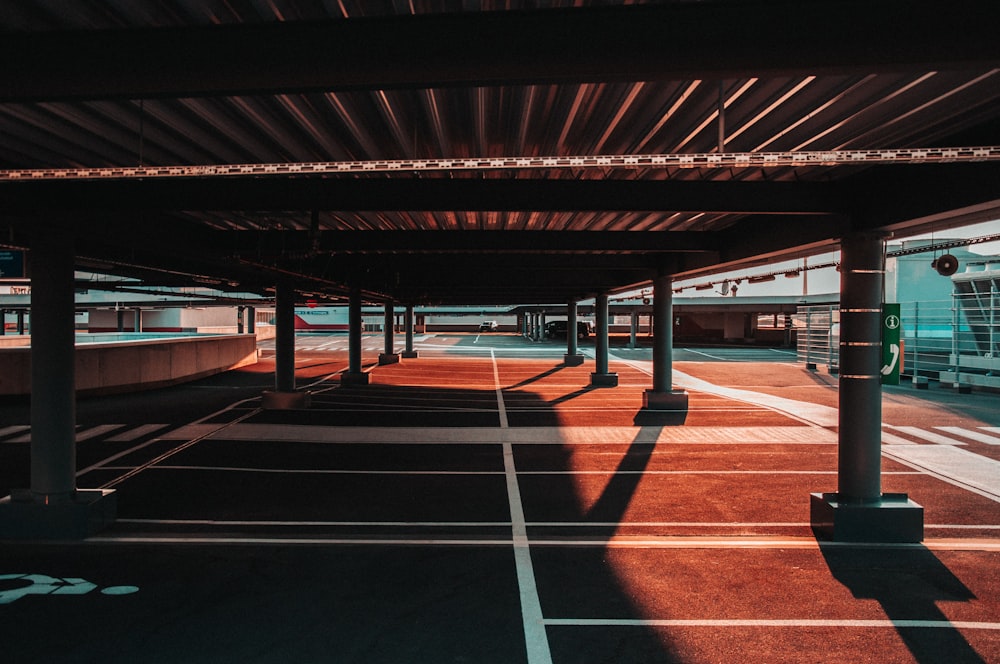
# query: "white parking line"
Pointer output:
{"type": "Point", "coordinates": [956, 466]}
{"type": "Point", "coordinates": [930, 436]}
{"type": "Point", "coordinates": [136, 432]}
{"type": "Point", "coordinates": [94, 432]}
{"type": "Point", "coordinates": [754, 622]}
{"type": "Point", "coordinates": [10, 430]}
{"type": "Point", "coordinates": [972, 435]}
{"type": "Point", "coordinates": [535, 639]}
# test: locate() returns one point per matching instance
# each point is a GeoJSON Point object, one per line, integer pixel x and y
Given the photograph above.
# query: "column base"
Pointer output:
{"type": "Point", "coordinates": [388, 358]}
{"type": "Point", "coordinates": [408, 354]}
{"type": "Point", "coordinates": [90, 511]}
{"type": "Point", "coordinates": [662, 409]}
{"type": "Point", "coordinates": [604, 379]}
{"type": "Point", "coordinates": [895, 518]}
{"type": "Point", "coordinates": [271, 400]}
{"type": "Point", "coordinates": [573, 360]}
{"type": "Point", "coordinates": [354, 378]}
{"type": "Point", "coordinates": [672, 400]}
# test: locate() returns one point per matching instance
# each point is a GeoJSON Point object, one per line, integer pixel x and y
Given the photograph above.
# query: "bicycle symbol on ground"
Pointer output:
{"type": "Point", "coordinates": [40, 584]}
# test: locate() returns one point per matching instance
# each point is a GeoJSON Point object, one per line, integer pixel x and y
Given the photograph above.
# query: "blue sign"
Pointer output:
{"type": "Point", "coordinates": [11, 264]}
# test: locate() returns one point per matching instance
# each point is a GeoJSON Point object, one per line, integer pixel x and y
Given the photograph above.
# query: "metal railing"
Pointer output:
{"type": "Point", "coordinates": [956, 341]}
{"type": "Point", "coordinates": [818, 336]}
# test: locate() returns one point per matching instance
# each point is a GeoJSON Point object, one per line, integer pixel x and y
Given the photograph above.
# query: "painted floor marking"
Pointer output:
{"type": "Point", "coordinates": [623, 542]}
{"type": "Point", "coordinates": [891, 439]}
{"type": "Point", "coordinates": [815, 415]}
{"type": "Point", "coordinates": [328, 524]}
{"type": "Point", "coordinates": [753, 622]}
{"type": "Point", "coordinates": [95, 431]}
{"type": "Point", "coordinates": [328, 471]}
{"type": "Point", "coordinates": [536, 641]}
{"type": "Point", "coordinates": [180, 448]}
{"type": "Point", "coordinates": [624, 435]}
{"type": "Point", "coordinates": [137, 432]}
{"type": "Point", "coordinates": [393, 471]}
{"type": "Point", "coordinates": [11, 430]}
{"type": "Point", "coordinates": [972, 435]}
{"type": "Point", "coordinates": [923, 434]}
{"type": "Point", "coordinates": [960, 467]}
{"type": "Point", "coordinates": [505, 524]}
{"type": "Point", "coordinates": [698, 352]}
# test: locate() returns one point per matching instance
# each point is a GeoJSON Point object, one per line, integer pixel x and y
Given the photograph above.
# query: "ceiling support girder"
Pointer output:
{"type": "Point", "coordinates": [469, 242]}
{"type": "Point", "coordinates": [580, 45]}
{"type": "Point", "coordinates": [306, 194]}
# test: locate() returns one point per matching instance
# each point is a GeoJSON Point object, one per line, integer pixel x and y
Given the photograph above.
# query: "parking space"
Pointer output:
{"type": "Point", "coordinates": [484, 503]}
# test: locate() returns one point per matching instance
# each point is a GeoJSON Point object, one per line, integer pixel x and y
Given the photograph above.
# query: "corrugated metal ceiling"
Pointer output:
{"type": "Point", "coordinates": [814, 112]}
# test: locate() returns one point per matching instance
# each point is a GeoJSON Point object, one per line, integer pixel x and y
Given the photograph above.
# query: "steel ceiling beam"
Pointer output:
{"type": "Point", "coordinates": [281, 192]}
{"type": "Point", "coordinates": [677, 41]}
{"type": "Point", "coordinates": [470, 243]}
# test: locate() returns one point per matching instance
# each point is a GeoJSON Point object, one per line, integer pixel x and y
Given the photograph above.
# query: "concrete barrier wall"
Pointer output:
{"type": "Point", "coordinates": [105, 368]}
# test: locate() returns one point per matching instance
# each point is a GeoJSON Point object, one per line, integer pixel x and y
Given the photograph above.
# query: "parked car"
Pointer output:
{"type": "Point", "coordinates": [488, 326]}
{"type": "Point", "coordinates": [557, 329]}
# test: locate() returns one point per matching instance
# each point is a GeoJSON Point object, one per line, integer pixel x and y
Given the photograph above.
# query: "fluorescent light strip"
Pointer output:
{"type": "Point", "coordinates": [638, 161]}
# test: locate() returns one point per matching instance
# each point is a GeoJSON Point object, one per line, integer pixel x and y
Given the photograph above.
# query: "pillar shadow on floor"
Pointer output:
{"type": "Point", "coordinates": [909, 583]}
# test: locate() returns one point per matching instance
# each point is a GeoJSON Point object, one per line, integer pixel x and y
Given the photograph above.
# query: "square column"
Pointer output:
{"type": "Point", "coordinates": [388, 357]}
{"type": "Point", "coordinates": [354, 375]}
{"type": "Point", "coordinates": [601, 377]}
{"type": "Point", "coordinates": [859, 511]}
{"type": "Point", "coordinates": [408, 326]}
{"type": "Point", "coordinates": [663, 397]}
{"type": "Point", "coordinates": [572, 358]}
{"type": "Point", "coordinates": [53, 508]}
{"type": "Point", "coordinates": [284, 396]}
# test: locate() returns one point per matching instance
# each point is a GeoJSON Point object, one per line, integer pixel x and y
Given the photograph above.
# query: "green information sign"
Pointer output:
{"type": "Point", "coordinates": [892, 347]}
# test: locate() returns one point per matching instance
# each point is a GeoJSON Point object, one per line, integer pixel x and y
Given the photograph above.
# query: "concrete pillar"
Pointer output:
{"type": "Point", "coordinates": [354, 374]}
{"type": "Point", "coordinates": [3, 322]}
{"type": "Point", "coordinates": [251, 320]}
{"type": "Point", "coordinates": [137, 320]}
{"type": "Point", "coordinates": [573, 358]}
{"type": "Point", "coordinates": [541, 325]}
{"type": "Point", "coordinates": [408, 327]}
{"type": "Point", "coordinates": [20, 321]}
{"type": "Point", "coordinates": [53, 507]}
{"type": "Point", "coordinates": [284, 338]}
{"type": "Point", "coordinates": [859, 511]}
{"type": "Point", "coordinates": [662, 396]}
{"type": "Point", "coordinates": [53, 358]}
{"type": "Point", "coordinates": [633, 329]}
{"type": "Point", "coordinates": [284, 396]}
{"type": "Point", "coordinates": [389, 356]}
{"type": "Point", "coordinates": [663, 343]}
{"type": "Point", "coordinates": [601, 377]}
{"type": "Point", "coordinates": [120, 319]}
{"type": "Point", "coordinates": [239, 320]}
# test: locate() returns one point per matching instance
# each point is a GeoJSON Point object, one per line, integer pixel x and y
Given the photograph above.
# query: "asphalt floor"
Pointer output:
{"type": "Point", "coordinates": [484, 503]}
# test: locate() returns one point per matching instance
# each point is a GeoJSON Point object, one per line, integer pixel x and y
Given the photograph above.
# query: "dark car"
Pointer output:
{"type": "Point", "coordinates": [557, 329]}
